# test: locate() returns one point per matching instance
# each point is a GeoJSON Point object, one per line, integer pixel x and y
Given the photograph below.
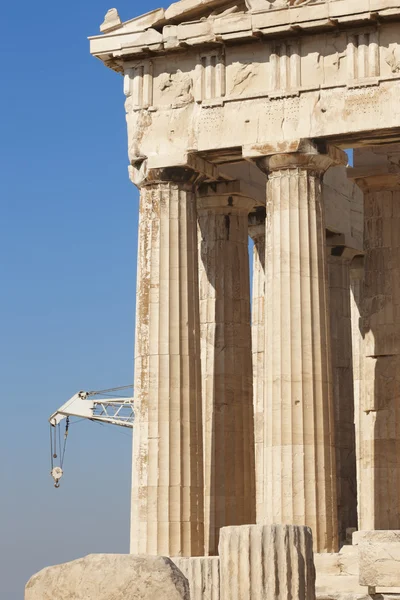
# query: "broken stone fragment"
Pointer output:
{"type": "Point", "coordinates": [111, 21]}
{"type": "Point", "coordinates": [110, 577]}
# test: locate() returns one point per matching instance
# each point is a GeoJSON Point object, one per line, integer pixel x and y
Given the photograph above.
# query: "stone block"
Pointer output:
{"type": "Point", "coordinates": [348, 561]}
{"type": "Point", "coordinates": [110, 577]}
{"type": "Point", "coordinates": [326, 564]}
{"type": "Point", "coordinates": [377, 536]}
{"type": "Point", "coordinates": [337, 586]}
{"type": "Point", "coordinates": [379, 553]}
{"type": "Point", "coordinates": [202, 574]}
{"type": "Point", "coordinates": [266, 562]}
{"type": "Point", "coordinates": [337, 574]}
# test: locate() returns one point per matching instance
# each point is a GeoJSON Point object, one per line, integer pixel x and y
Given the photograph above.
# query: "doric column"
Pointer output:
{"type": "Point", "coordinates": [299, 464]}
{"type": "Point", "coordinates": [364, 475]}
{"type": "Point", "coordinates": [257, 233]}
{"type": "Point", "coordinates": [376, 173]}
{"type": "Point", "coordinates": [339, 259]}
{"type": "Point", "coordinates": [229, 476]}
{"type": "Point", "coordinates": [167, 481]}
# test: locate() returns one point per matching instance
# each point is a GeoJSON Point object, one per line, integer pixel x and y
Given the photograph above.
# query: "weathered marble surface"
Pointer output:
{"type": "Point", "coordinates": [379, 558]}
{"type": "Point", "coordinates": [267, 562]}
{"type": "Point", "coordinates": [299, 450]}
{"type": "Point", "coordinates": [377, 172]}
{"type": "Point", "coordinates": [167, 479]}
{"type": "Point", "coordinates": [203, 576]}
{"type": "Point", "coordinates": [197, 77]}
{"type": "Point", "coordinates": [227, 385]}
{"type": "Point", "coordinates": [110, 577]}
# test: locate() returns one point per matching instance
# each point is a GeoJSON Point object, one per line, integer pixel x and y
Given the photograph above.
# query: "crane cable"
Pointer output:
{"type": "Point", "coordinates": [116, 389]}
{"type": "Point", "coordinates": [57, 472]}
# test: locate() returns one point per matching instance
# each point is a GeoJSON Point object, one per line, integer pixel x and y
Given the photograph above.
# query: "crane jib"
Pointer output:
{"type": "Point", "coordinates": [86, 405]}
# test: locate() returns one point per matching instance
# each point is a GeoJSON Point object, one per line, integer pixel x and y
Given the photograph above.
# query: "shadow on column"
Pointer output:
{"type": "Point", "coordinates": [226, 370]}
{"type": "Point", "coordinates": [343, 389]}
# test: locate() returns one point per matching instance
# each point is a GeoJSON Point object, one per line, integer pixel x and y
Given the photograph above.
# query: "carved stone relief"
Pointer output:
{"type": "Point", "coordinates": [243, 76]}
{"type": "Point", "coordinates": [176, 88]}
{"type": "Point", "coordinates": [392, 58]}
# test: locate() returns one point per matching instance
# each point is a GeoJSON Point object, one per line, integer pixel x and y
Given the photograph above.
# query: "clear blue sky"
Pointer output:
{"type": "Point", "coordinates": [68, 237]}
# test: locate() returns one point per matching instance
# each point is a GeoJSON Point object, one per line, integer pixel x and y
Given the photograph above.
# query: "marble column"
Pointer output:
{"type": "Point", "coordinates": [167, 483]}
{"type": "Point", "coordinates": [339, 259]}
{"type": "Point", "coordinates": [364, 479]}
{"type": "Point", "coordinates": [299, 463]}
{"type": "Point", "coordinates": [379, 444]}
{"type": "Point", "coordinates": [257, 234]}
{"type": "Point", "coordinates": [229, 472]}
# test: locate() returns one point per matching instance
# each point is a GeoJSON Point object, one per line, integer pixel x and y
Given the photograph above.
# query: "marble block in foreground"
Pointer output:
{"type": "Point", "coordinates": [110, 577]}
{"type": "Point", "coordinates": [379, 558]}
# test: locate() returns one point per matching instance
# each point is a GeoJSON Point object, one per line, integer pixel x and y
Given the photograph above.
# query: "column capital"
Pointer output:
{"type": "Point", "coordinates": [376, 168]}
{"type": "Point", "coordinates": [257, 223]}
{"type": "Point", "coordinates": [370, 179]}
{"type": "Point", "coordinates": [226, 196]}
{"type": "Point", "coordinates": [339, 247]}
{"type": "Point", "coordinates": [305, 155]}
{"type": "Point", "coordinates": [357, 264]}
{"type": "Point", "coordinates": [192, 172]}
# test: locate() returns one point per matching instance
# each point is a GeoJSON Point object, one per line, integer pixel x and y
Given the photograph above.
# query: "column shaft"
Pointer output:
{"type": "Point", "coordinates": [380, 443]}
{"type": "Point", "coordinates": [226, 365]}
{"type": "Point", "coordinates": [343, 390]}
{"type": "Point", "coordinates": [299, 475]}
{"type": "Point", "coordinates": [364, 475]}
{"type": "Point", "coordinates": [167, 483]}
{"type": "Point", "coordinates": [257, 233]}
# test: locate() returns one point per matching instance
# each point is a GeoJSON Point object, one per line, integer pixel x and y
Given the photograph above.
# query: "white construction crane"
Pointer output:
{"type": "Point", "coordinates": [86, 405]}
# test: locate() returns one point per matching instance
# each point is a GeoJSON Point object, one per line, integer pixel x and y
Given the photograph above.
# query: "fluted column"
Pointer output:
{"type": "Point", "coordinates": [361, 419]}
{"type": "Point", "coordinates": [379, 306]}
{"type": "Point", "coordinates": [267, 562]}
{"type": "Point", "coordinates": [228, 426]}
{"type": "Point", "coordinates": [299, 464]}
{"type": "Point", "coordinates": [339, 259]}
{"type": "Point", "coordinates": [257, 233]}
{"type": "Point", "coordinates": [167, 481]}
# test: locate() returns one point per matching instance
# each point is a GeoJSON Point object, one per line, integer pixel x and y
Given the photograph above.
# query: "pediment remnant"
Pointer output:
{"type": "Point", "coordinates": [192, 10]}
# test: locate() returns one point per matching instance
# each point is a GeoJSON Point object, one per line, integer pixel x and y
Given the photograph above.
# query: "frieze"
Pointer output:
{"type": "Point", "coordinates": [287, 67]}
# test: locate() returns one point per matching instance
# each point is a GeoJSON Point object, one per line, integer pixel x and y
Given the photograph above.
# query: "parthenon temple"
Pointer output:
{"type": "Point", "coordinates": [267, 387]}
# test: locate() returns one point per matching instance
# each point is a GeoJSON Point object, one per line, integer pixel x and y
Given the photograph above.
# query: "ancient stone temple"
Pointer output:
{"type": "Point", "coordinates": [266, 411]}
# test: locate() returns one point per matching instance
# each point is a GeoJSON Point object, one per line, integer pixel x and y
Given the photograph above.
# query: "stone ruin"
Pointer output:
{"type": "Point", "coordinates": [266, 412]}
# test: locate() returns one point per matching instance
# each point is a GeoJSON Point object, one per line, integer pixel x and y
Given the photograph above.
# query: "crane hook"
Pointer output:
{"type": "Point", "coordinates": [56, 474]}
